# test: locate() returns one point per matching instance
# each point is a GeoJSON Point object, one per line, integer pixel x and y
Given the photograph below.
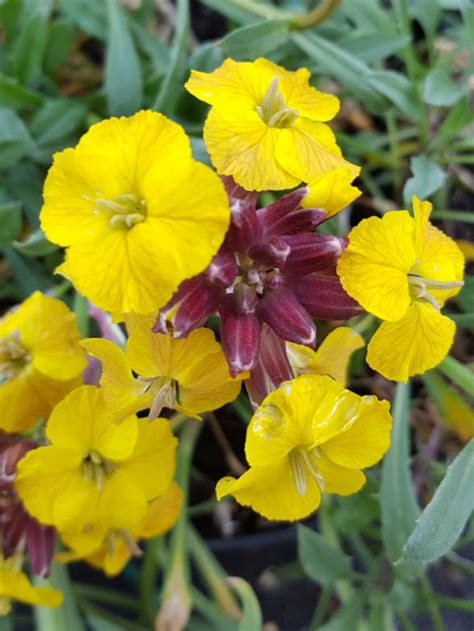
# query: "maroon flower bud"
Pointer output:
{"type": "Point", "coordinates": [40, 544]}
{"type": "Point", "coordinates": [189, 308]}
{"type": "Point", "coordinates": [271, 369]}
{"type": "Point", "coordinates": [10, 457]}
{"type": "Point", "coordinates": [282, 311]}
{"type": "Point", "coordinates": [244, 298]}
{"type": "Point", "coordinates": [311, 252]}
{"type": "Point", "coordinates": [323, 297]}
{"type": "Point", "coordinates": [222, 269]}
{"type": "Point", "coordinates": [240, 337]}
{"type": "Point", "coordinates": [272, 252]}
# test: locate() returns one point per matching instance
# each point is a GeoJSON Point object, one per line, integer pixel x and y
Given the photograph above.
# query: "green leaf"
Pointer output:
{"type": "Point", "coordinates": [206, 57]}
{"type": "Point", "coordinates": [57, 119]}
{"type": "Point", "coordinates": [30, 45]}
{"type": "Point", "coordinates": [10, 222]}
{"type": "Point", "coordinates": [58, 47]}
{"type": "Point", "coordinates": [36, 244]}
{"type": "Point", "coordinates": [398, 89]}
{"type": "Point", "coordinates": [123, 76]}
{"type": "Point", "coordinates": [427, 178]}
{"type": "Point", "coordinates": [346, 617]}
{"type": "Point", "coordinates": [256, 40]}
{"type": "Point", "coordinates": [374, 46]}
{"type": "Point", "coordinates": [89, 16]}
{"type": "Point", "coordinates": [29, 274]}
{"type": "Point", "coordinates": [172, 83]}
{"type": "Point", "coordinates": [443, 520]}
{"type": "Point", "coordinates": [252, 618]}
{"type": "Point", "coordinates": [14, 138]}
{"type": "Point", "coordinates": [457, 372]}
{"type": "Point", "coordinates": [465, 297]}
{"type": "Point", "coordinates": [320, 560]}
{"type": "Point", "coordinates": [348, 69]}
{"type": "Point", "coordinates": [65, 617]}
{"type": "Point", "coordinates": [237, 13]}
{"type": "Point", "coordinates": [439, 89]}
{"type": "Point", "coordinates": [13, 95]}
{"type": "Point", "coordinates": [398, 505]}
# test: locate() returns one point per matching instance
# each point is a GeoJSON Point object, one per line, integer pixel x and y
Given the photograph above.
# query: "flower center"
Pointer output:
{"type": "Point", "coordinates": [125, 210]}
{"type": "Point", "coordinates": [128, 540]}
{"type": "Point", "coordinates": [304, 462]}
{"type": "Point", "coordinates": [97, 468]}
{"type": "Point", "coordinates": [419, 288]}
{"type": "Point", "coordinates": [167, 395]}
{"type": "Point", "coordinates": [272, 109]}
{"type": "Point", "coordinates": [13, 357]}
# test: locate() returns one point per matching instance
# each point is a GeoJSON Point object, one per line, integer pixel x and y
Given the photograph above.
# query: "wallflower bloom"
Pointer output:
{"type": "Point", "coordinates": [96, 471]}
{"type": "Point", "coordinates": [311, 436]}
{"type": "Point", "coordinates": [136, 213]}
{"type": "Point", "coordinates": [40, 360]}
{"type": "Point", "coordinates": [14, 585]}
{"type": "Point", "coordinates": [190, 375]}
{"type": "Point", "coordinates": [331, 191]}
{"type": "Point", "coordinates": [110, 550]}
{"type": "Point", "coordinates": [266, 125]}
{"type": "Point", "coordinates": [402, 270]}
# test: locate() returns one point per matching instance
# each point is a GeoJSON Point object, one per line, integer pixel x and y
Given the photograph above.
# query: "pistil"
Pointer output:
{"type": "Point", "coordinates": [420, 287]}
{"type": "Point", "coordinates": [97, 468]}
{"type": "Point", "coordinates": [272, 110]}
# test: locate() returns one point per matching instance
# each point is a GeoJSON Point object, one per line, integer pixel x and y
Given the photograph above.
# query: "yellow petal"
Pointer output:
{"type": "Point", "coordinates": [308, 149]}
{"type": "Point", "coordinates": [338, 479]}
{"type": "Point", "coordinates": [152, 464]}
{"type": "Point", "coordinates": [467, 249]}
{"type": "Point", "coordinates": [412, 345]}
{"type": "Point", "coordinates": [366, 440]}
{"type": "Point", "coordinates": [16, 585]}
{"type": "Point", "coordinates": [332, 356]}
{"type": "Point", "coordinates": [373, 268]}
{"type": "Point", "coordinates": [82, 422]}
{"type": "Point", "coordinates": [271, 491]}
{"type": "Point", "coordinates": [121, 389]}
{"type": "Point", "coordinates": [161, 513]}
{"type": "Point", "coordinates": [422, 212]}
{"type": "Point", "coordinates": [331, 191]}
{"type": "Point", "coordinates": [241, 145]}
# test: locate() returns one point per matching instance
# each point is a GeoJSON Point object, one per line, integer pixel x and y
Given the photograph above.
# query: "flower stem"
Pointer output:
{"type": "Point", "coordinates": [432, 605]}
{"type": "Point", "coordinates": [321, 608]}
{"type": "Point", "coordinates": [317, 15]}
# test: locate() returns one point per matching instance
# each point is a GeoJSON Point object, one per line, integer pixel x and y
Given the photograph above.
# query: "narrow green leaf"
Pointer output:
{"type": "Point", "coordinates": [206, 57]}
{"type": "Point", "coordinates": [13, 95]}
{"type": "Point", "coordinates": [255, 40]}
{"type": "Point", "coordinates": [65, 617]}
{"type": "Point", "coordinates": [88, 16]}
{"type": "Point", "coordinates": [346, 617]}
{"type": "Point", "coordinates": [10, 222]}
{"type": "Point", "coordinates": [29, 274]}
{"type": "Point", "coordinates": [252, 618]}
{"type": "Point", "coordinates": [56, 119]}
{"type": "Point", "coordinates": [427, 178]}
{"type": "Point", "coordinates": [172, 83]}
{"type": "Point", "coordinates": [58, 47]}
{"type": "Point", "coordinates": [398, 505]}
{"type": "Point", "coordinates": [320, 560]}
{"type": "Point", "coordinates": [36, 244]}
{"type": "Point", "coordinates": [237, 11]}
{"type": "Point", "coordinates": [348, 69]}
{"type": "Point", "coordinates": [439, 89]}
{"type": "Point", "coordinates": [457, 372]}
{"type": "Point", "coordinates": [443, 520]}
{"type": "Point", "coordinates": [374, 46]}
{"type": "Point", "coordinates": [465, 298]}
{"type": "Point", "coordinates": [14, 138]}
{"type": "Point", "coordinates": [123, 76]}
{"type": "Point", "coordinates": [30, 45]}
{"type": "Point", "coordinates": [398, 89]}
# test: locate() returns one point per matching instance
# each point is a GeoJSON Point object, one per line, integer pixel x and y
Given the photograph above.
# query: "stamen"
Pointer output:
{"type": "Point", "coordinates": [272, 110]}
{"type": "Point", "coordinates": [309, 458]}
{"type": "Point", "coordinates": [297, 467]}
{"type": "Point", "coordinates": [130, 542]}
{"type": "Point", "coordinates": [13, 357]}
{"type": "Point", "coordinates": [127, 210]}
{"type": "Point", "coordinates": [165, 398]}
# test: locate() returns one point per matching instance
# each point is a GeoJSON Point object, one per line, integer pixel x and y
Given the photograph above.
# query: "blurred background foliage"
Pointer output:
{"type": "Point", "coordinates": [404, 73]}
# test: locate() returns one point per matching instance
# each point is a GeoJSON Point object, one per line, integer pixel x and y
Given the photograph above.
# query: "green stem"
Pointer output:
{"type": "Point", "coordinates": [432, 605]}
{"type": "Point", "coordinates": [202, 508]}
{"type": "Point", "coordinates": [463, 604]}
{"type": "Point", "coordinates": [213, 574]}
{"type": "Point", "coordinates": [326, 524]}
{"type": "Point", "coordinates": [406, 624]}
{"type": "Point", "coordinates": [453, 215]}
{"type": "Point", "coordinates": [147, 581]}
{"type": "Point", "coordinates": [404, 25]}
{"type": "Point", "coordinates": [242, 408]}
{"type": "Point", "coordinates": [455, 371]}
{"type": "Point", "coordinates": [394, 145]}
{"type": "Point", "coordinates": [317, 15]}
{"type": "Point", "coordinates": [363, 324]}
{"type": "Point", "coordinates": [321, 608]}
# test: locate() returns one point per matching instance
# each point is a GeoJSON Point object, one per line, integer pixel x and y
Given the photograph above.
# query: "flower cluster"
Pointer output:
{"type": "Point", "coordinates": [160, 243]}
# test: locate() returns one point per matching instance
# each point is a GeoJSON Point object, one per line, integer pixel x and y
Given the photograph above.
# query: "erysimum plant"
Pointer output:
{"type": "Point", "coordinates": [191, 305]}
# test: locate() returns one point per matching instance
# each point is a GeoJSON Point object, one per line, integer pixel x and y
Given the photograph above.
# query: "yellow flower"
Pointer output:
{"type": "Point", "coordinates": [189, 374]}
{"type": "Point", "coordinates": [40, 360]}
{"type": "Point", "coordinates": [402, 270]}
{"type": "Point", "coordinates": [135, 212]}
{"type": "Point", "coordinates": [332, 191]}
{"type": "Point", "coordinates": [331, 358]}
{"type": "Point", "coordinates": [110, 550]}
{"type": "Point", "coordinates": [96, 471]}
{"type": "Point", "coordinates": [308, 437]}
{"type": "Point", "coordinates": [266, 125]}
{"type": "Point", "coordinates": [14, 585]}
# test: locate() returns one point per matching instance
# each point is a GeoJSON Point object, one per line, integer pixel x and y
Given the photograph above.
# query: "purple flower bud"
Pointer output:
{"type": "Point", "coordinates": [311, 252]}
{"type": "Point", "coordinates": [244, 228]}
{"type": "Point", "coordinates": [10, 457]}
{"type": "Point", "coordinates": [189, 308]}
{"type": "Point", "coordinates": [222, 269]}
{"type": "Point", "coordinates": [271, 369]}
{"type": "Point", "coordinates": [281, 310]}
{"type": "Point", "coordinates": [244, 298]}
{"type": "Point", "coordinates": [323, 297]}
{"type": "Point", "coordinates": [240, 337]}
{"type": "Point", "coordinates": [40, 544]}
{"type": "Point", "coordinates": [272, 252]}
